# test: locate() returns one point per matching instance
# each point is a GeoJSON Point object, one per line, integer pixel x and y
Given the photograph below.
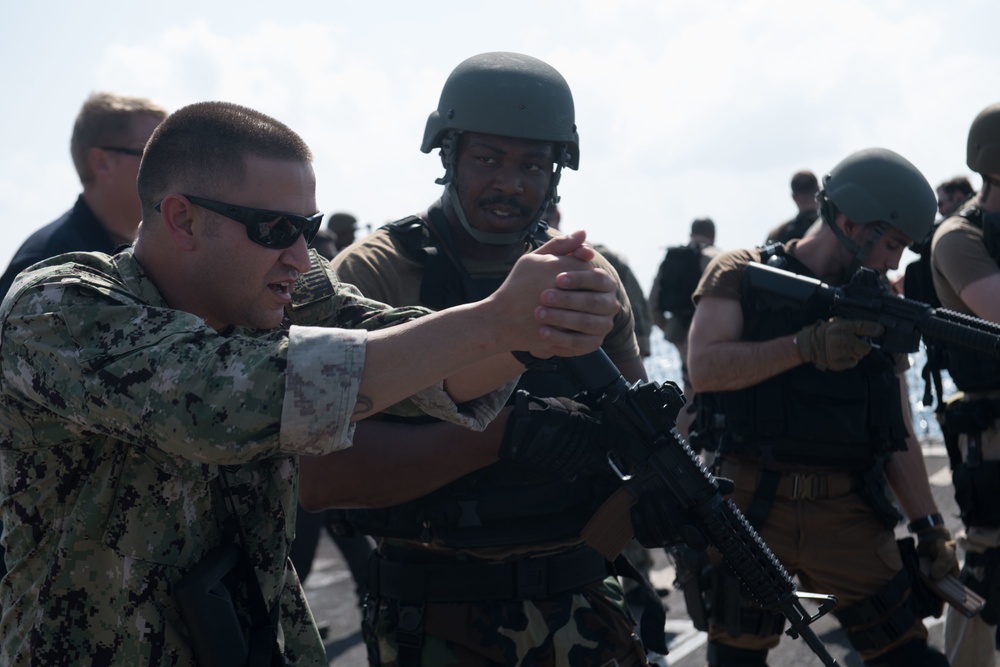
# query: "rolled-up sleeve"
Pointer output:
{"type": "Point", "coordinates": [475, 415]}
{"type": "Point", "coordinates": [321, 388]}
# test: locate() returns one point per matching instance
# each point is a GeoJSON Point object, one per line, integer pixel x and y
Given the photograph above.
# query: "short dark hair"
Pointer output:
{"type": "Point", "coordinates": [957, 184]}
{"type": "Point", "coordinates": [804, 182]}
{"type": "Point", "coordinates": [203, 147]}
{"type": "Point", "coordinates": [703, 227]}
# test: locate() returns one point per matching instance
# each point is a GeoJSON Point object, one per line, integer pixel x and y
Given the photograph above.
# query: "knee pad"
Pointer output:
{"type": "Point", "coordinates": [914, 653]}
{"type": "Point", "coordinates": [720, 655]}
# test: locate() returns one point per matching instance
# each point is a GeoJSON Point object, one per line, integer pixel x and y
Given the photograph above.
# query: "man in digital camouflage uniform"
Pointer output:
{"type": "Point", "coordinates": [154, 402]}
{"type": "Point", "coordinates": [811, 422]}
{"type": "Point", "coordinates": [491, 570]}
{"type": "Point", "coordinates": [965, 267]}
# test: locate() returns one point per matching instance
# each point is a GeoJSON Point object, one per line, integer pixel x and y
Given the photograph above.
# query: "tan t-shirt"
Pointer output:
{"type": "Point", "coordinates": [958, 258]}
{"type": "Point", "coordinates": [723, 277]}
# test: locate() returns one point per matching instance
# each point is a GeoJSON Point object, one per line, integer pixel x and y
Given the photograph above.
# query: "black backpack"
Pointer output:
{"type": "Point", "coordinates": [679, 274]}
{"type": "Point", "coordinates": [918, 283]}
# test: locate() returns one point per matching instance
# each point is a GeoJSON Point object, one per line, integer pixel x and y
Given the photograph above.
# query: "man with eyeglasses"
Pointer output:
{"type": "Point", "coordinates": [155, 402]}
{"type": "Point", "coordinates": [108, 137]}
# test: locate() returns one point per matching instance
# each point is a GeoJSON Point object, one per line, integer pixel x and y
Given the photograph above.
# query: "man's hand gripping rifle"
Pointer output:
{"type": "Point", "coordinates": [661, 465]}
{"type": "Point", "coordinates": [865, 297]}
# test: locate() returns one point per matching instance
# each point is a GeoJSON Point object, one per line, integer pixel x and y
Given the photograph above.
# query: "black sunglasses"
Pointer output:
{"type": "Point", "coordinates": [121, 149]}
{"type": "Point", "coordinates": [271, 229]}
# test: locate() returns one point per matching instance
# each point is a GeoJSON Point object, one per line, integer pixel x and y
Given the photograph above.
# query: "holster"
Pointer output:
{"type": "Point", "coordinates": [872, 486]}
{"type": "Point", "coordinates": [975, 478]}
{"type": "Point", "coordinates": [203, 597]}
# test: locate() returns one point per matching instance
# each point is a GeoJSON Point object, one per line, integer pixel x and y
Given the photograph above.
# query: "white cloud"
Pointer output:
{"type": "Point", "coordinates": [685, 109]}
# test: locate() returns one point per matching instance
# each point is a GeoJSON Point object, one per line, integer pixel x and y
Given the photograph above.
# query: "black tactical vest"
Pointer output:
{"type": "Point", "coordinates": [847, 419]}
{"type": "Point", "coordinates": [503, 504]}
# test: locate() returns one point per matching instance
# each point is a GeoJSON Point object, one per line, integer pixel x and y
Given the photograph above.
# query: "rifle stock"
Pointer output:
{"type": "Point", "coordinates": [864, 297]}
{"type": "Point", "coordinates": [660, 459]}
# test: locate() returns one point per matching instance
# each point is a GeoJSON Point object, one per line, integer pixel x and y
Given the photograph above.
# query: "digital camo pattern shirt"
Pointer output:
{"type": "Point", "coordinates": [116, 415]}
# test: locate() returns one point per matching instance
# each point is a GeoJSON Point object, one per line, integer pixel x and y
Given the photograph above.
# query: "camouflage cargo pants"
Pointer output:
{"type": "Point", "coordinates": [591, 627]}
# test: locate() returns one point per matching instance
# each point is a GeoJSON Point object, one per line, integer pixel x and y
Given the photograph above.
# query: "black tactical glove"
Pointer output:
{"type": "Point", "coordinates": [657, 521]}
{"type": "Point", "coordinates": [836, 344]}
{"type": "Point", "coordinates": [936, 545]}
{"type": "Point", "coordinates": [553, 435]}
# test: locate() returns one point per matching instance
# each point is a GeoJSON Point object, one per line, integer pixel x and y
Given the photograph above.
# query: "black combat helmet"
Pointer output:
{"type": "Point", "coordinates": [983, 151]}
{"type": "Point", "coordinates": [511, 95]}
{"type": "Point", "coordinates": [876, 186]}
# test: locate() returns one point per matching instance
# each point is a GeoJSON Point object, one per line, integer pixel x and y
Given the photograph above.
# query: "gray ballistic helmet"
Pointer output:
{"type": "Point", "coordinates": [876, 185]}
{"type": "Point", "coordinates": [508, 94]}
{"type": "Point", "coordinates": [983, 152]}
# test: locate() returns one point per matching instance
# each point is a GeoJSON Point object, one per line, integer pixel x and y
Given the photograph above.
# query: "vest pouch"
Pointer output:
{"type": "Point", "coordinates": [971, 370]}
{"type": "Point", "coordinates": [802, 404]}
{"type": "Point", "coordinates": [976, 493]}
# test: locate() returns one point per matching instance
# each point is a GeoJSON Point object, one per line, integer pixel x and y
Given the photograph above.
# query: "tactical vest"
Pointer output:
{"type": "Point", "coordinates": [504, 504]}
{"type": "Point", "coordinates": [970, 370]}
{"type": "Point", "coordinates": [848, 419]}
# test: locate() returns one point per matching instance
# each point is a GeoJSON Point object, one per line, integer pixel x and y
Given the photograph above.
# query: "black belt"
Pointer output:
{"type": "Point", "coordinates": [530, 578]}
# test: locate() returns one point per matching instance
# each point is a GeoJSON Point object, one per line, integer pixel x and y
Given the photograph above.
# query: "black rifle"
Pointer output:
{"type": "Point", "coordinates": [865, 297]}
{"type": "Point", "coordinates": [657, 459]}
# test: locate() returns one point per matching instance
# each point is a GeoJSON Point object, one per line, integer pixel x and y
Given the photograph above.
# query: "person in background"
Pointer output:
{"type": "Point", "coordinates": [640, 307]}
{"type": "Point", "coordinates": [325, 243]}
{"type": "Point", "coordinates": [804, 189]}
{"type": "Point", "coordinates": [670, 299]}
{"type": "Point", "coordinates": [965, 268]}
{"type": "Point", "coordinates": [952, 194]}
{"type": "Point", "coordinates": [344, 227]}
{"type": "Point", "coordinates": [106, 145]}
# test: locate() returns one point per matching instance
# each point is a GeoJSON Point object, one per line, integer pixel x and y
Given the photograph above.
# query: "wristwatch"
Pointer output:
{"type": "Point", "coordinates": [925, 522]}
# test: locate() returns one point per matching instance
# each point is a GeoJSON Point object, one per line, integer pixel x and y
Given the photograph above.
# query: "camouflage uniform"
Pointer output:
{"type": "Point", "coordinates": [117, 413]}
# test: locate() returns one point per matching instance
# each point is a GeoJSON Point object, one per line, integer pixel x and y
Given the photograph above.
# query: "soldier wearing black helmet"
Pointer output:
{"type": "Point", "coordinates": [491, 570]}
{"type": "Point", "coordinates": [344, 226]}
{"type": "Point", "coordinates": [965, 267]}
{"type": "Point", "coordinates": [812, 423]}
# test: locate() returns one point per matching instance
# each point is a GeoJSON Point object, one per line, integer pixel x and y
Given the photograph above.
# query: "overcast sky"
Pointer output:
{"type": "Point", "coordinates": [684, 109]}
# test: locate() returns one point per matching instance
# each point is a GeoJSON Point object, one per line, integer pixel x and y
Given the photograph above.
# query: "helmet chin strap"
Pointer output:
{"type": "Point", "coordinates": [449, 144]}
{"type": "Point", "coordinates": [860, 252]}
